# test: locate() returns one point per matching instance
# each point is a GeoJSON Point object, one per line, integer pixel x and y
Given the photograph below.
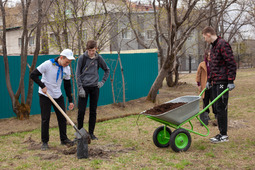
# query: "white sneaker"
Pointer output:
{"type": "Point", "coordinates": [219, 138]}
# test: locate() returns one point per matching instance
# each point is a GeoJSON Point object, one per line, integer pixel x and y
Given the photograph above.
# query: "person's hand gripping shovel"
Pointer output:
{"type": "Point", "coordinates": [82, 135]}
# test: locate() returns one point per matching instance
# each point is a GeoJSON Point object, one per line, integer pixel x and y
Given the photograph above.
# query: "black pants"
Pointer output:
{"type": "Point", "coordinates": [93, 94]}
{"type": "Point", "coordinates": [221, 107]}
{"type": "Point", "coordinates": [206, 100]}
{"type": "Point", "coordinates": [45, 104]}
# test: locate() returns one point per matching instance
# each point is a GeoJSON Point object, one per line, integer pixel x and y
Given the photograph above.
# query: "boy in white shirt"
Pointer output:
{"type": "Point", "coordinates": [53, 72]}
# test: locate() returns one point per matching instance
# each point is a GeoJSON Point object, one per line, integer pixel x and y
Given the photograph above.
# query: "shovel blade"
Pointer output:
{"type": "Point", "coordinates": [82, 148]}
{"type": "Point", "coordinates": [82, 133]}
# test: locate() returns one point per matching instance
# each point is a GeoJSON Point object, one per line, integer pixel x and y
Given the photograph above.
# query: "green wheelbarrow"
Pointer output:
{"type": "Point", "coordinates": [179, 139]}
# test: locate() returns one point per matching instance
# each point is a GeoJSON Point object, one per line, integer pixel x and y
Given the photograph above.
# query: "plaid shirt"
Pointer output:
{"type": "Point", "coordinates": [222, 64]}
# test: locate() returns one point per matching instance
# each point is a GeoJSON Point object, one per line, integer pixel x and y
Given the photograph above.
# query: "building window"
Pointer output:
{"type": "Point", "coordinates": [126, 33]}
{"type": "Point", "coordinates": [150, 34]}
{"type": "Point", "coordinates": [31, 41]}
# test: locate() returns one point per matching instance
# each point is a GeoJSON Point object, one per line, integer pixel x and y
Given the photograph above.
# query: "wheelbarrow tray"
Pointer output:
{"type": "Point", "coordinates": [180, 114]}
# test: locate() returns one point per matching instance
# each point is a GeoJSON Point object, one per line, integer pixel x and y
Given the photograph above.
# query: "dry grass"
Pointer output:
{"type": "Point", "coordinates": [126, 143]}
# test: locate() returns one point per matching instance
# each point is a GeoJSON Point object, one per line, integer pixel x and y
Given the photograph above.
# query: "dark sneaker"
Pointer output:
{"type": "Point", "coordinates": [45, 147]}
{"type": "Point", "coordinates": [67, 142]}
{"type": "Point", "coordinates": [93, 137]}
{"type": "Point", "coordinates": [219, 138]}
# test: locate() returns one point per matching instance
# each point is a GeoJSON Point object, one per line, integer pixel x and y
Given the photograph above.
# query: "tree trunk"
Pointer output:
{"type": "Point", "coordinates": [156, 85]}
{"type": "Point", "coordinates": [176, 72]}
{"type": "Point", "coordinates": [21, 110]}
{"type": "Point", "coordinates": [173, 80]}
{"type": "Point", "coordinates": [112, 81]}
{"type": "Point", "coordinates": [73, 85]}
{"type": "Point", "coordinates": [6, 63]}
{"type": "Point", "coordinates": [36, 53]}
{"type": "Point", "coordinates": [123, 81]}
{"type": "Point", "coordinates": [45, 40]}
{"type": "Point", "coordinates": [169, 79]}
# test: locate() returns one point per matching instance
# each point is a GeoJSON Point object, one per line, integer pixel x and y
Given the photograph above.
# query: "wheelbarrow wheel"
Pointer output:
{"type": "Point", "coordinates": [180, 140]}
{"type": "Point", "coordinates": [160, 138]}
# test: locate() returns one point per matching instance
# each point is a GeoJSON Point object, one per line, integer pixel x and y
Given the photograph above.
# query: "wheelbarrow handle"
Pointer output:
{"type": "Point", "coordinates": [60, 109]}
{"type": "Point", "coordinates": [202, 91]}
{"type": "Point", "coordinates": [227, 89]}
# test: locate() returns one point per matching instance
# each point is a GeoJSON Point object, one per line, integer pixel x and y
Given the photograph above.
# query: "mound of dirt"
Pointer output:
{"type": "Point", "coordinates": [163, 108]}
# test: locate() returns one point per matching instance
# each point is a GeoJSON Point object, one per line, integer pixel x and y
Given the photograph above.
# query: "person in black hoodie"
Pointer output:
{"type": "Point", "coordinates": [222, 76]}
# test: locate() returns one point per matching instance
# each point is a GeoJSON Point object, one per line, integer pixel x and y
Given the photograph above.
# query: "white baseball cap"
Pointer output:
{"type": "Point", "coordinates": [68, 54]}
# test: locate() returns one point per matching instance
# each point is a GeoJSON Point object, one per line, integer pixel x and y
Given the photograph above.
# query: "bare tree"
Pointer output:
{"type": "Point", "coordinates": [168, 21]}
{"type": "Point", "coordinates": [228, 17]}
{"type": "Point", "coordinates": [123, 77]}
{"type": "Point", "coordinates": [77, 21]}
{"type": "Point", "coordinates": [112, 76]}
{"type": "Point", "coordinates": [74, 22]}
{"type": "Point", "coordinates": [36, 52]}
{"type": "Point", "coordinates": [251, 11]}
{"type": "Point", "coordinates": [21, 105]}
{"type": "Point", "coordinates": [174, 21]}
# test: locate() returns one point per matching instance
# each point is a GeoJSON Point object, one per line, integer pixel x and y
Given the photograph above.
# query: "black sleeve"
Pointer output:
{"type": "Point", "coordinates": [35, 77]}
{"type": "Point", "coordinates": [67, 87]}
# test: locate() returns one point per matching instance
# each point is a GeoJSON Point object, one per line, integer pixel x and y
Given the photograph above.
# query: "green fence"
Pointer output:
{"type": "Point", "coordinates": [140, 71]}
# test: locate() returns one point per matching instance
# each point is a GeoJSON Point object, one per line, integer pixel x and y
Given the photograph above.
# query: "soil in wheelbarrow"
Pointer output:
{"type": "Point", "coordinates": [163, 108]}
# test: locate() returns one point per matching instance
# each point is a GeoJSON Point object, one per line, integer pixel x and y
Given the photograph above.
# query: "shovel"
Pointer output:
{"type": "Point", "coordinates": [82, 135]}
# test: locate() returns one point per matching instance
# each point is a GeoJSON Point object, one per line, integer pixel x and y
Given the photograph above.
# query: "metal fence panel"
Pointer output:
{"type": "Point", "coordinates": [140, 71]}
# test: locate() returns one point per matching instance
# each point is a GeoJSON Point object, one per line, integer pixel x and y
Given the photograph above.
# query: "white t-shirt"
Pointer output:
{"type": "Point", "coordinates": [49, 73]}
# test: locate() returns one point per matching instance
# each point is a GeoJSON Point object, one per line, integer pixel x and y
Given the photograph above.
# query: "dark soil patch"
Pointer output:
{"type": "Point", "coordinates": [101, 152]}
{"type": "Point", "coordinates": [32, 145]}
{"type": "Point", "coordinates": [69, 151]}
{"type": "Point", "coordinates": [163, 108]}
{"type": "Point", "coordinates": [107, 151]}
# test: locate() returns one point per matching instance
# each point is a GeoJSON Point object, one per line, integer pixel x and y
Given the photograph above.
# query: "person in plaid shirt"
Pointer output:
{"type": "Point", "coordinates": [222, 76]}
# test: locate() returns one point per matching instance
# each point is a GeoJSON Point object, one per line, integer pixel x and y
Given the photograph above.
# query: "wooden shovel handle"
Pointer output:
{"type": "Point", "coordinates": [60, 109]}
